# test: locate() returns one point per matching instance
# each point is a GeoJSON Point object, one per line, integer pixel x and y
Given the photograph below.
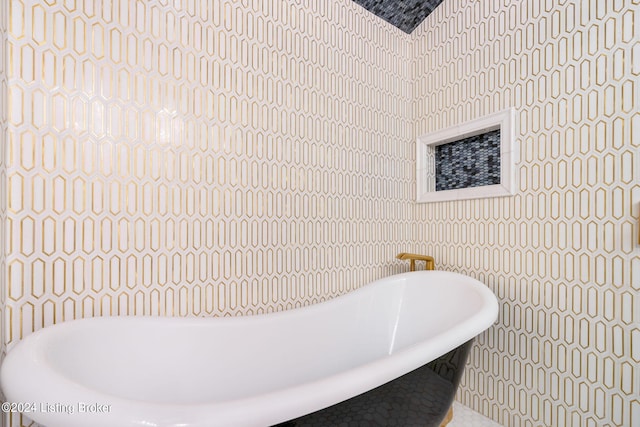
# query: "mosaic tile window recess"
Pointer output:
{"type": "Point", "coordinates": [469, 162]}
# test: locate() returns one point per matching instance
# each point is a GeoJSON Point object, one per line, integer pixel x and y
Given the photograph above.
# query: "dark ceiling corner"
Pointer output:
{"type": "Point", "coordinates": [404, 14]}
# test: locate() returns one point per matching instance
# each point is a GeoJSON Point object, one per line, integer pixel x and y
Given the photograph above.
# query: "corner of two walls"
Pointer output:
{"type": "Point", "coordinates": [560, 255]}
{"type": "Point", "coordinates": [199, 162]}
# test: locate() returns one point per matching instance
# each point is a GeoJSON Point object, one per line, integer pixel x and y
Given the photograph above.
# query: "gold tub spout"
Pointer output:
{"type": "Point", "coordinates": [430, 262]}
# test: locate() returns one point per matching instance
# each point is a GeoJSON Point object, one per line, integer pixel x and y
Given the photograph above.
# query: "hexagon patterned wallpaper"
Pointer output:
{"type": "Point", "coordinates": [561, 255]}
{"type": "Point", "coordinates": [236, 157]}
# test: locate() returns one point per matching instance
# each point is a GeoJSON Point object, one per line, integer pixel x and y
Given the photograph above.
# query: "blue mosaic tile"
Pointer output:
{"type": "Point", "coordinates": [469, 162]}
{"type": "Point", "coordinates": [404, 14]}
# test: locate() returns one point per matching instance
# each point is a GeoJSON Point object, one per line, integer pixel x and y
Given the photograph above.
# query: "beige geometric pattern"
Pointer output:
{"type": "Point", "coordinates": [225, 158]}
{"type": "Point", "coordinates": [561, 255]}
{"type": "Point", "coordinates": [4, 6]}
{"type": "Point", "coordinates": [201, 158]}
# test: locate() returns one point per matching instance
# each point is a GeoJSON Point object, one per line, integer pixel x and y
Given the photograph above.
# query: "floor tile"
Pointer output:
{"type": "Point", "coordinates": [466, 417]}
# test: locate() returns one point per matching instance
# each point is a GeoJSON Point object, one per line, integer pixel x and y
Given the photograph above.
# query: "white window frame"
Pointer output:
{"type": "Point", "coordinates": [426, 159]}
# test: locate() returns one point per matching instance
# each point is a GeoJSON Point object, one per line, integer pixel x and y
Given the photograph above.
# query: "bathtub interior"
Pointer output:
{"type": "Point", "coordinates": [146, 360]}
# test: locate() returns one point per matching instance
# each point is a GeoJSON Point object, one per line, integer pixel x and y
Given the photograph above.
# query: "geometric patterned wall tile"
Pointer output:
{"type": "Point", "coordinates": [570, 76]}
{"type": "Point", "coordinates": [199, 159]}
{"type": "Point", "coordinates": [214, 159]}
{"type": "Point", "coordinates": [192, 159]}
{"type": "Point", "coordinates": [4, 21]}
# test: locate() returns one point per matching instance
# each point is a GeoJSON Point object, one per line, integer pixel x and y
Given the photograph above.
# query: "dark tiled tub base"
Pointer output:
{"type": "Point", "coordinates": [420, 398]}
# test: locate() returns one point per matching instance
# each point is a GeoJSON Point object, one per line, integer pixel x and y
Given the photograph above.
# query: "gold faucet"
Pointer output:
{"type": "Point", "coordinates": [430, 262]}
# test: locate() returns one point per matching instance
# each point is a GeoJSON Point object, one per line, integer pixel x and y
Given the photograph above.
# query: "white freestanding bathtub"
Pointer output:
{"type": "Point", "coordinates": [243, 371]}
